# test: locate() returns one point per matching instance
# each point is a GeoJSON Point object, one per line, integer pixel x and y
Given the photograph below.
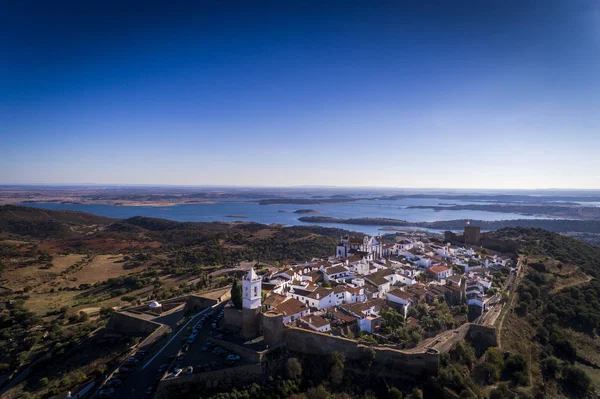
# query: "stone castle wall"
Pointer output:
{"type": "Point", "coordinates": [244, 352]}
{"type": "Point", "coordinates": [131, 324]}
{"type": "Point", "coordinates": [310, 342]}
{"type": "Point", "coordinates": [197, 383]}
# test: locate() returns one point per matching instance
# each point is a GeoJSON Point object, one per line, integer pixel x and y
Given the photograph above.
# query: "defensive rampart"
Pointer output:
{"type": "Point", "coordinates": [246, 353]}
{"type": "Point", "coordinates": [223, 379]}
{"type": "Point", "coordinates": [129, 323]}
{"type": "Point", "coordinates": [416, 361]}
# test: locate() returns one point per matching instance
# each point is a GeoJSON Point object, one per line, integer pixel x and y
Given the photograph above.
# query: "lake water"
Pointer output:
{"type": "Point", "coordinates": [267, 214]}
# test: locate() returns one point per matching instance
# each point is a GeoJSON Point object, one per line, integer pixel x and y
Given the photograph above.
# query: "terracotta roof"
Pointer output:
{"type": "Point", "coordinates": [338, 289]}
{"type": "Point", "coordinates": [360, 307]}
{"type": "Point", "coordinates": [336, 269]}
{"type": "Point", "coordinates": [353, 258]}
{"type": "Point", "coordinates": [316, 321]}
{"type": "Point", "coordinates": [401, 294]}
{"type": "Point", "coordinates": [378, 278]}
{"type": "Point", "coordinates": [291, 307]}
{"type": "Point", "coordinates": [438, 269]}
{"type": "Point", "coordinates": [274, 300]}
{"type": "Point", "coordinates": [321, 292]}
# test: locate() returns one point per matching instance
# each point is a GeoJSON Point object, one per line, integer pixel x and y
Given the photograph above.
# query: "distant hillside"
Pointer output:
{"type": "Point", "coordinates": [43, 223]}
{"type": "Point", "coordinates": [588, 230]}
{"type": "Point", "coordinates": [545, 243]}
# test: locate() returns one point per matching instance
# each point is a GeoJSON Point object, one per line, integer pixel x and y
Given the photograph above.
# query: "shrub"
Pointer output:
{"type": "Point", "coordinates": [293, 368]}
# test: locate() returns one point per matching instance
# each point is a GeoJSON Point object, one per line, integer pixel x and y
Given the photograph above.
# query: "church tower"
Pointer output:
{"type": "Point", "coordinates": [251, 290]}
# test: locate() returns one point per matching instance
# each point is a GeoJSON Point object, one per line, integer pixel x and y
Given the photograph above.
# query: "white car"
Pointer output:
{"type": "Point", "coordinates": [176, 373]}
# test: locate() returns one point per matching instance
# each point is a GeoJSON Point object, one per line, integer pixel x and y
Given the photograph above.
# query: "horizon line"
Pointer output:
{"type": "Point", "coordinates": [150, 185]}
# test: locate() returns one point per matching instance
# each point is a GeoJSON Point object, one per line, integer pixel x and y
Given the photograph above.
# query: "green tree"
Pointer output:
{"type": "Point", "coordinates": [236, 294]}
{"type": "Point", "coordinates": [394, 393]}
{"type": "Point", "coordinates": [336, 373]}
{"type": "Point", "coordinates": [44, 382]}
{"type": "Point", "coordinates": [577, 378]}
{"type": "Point", "coordinates": [293, 368]}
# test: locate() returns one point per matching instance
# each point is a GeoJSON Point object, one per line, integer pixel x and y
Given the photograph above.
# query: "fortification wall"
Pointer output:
{"type": "Point", "coordinates": [416, 361]}
{"type": "Point", "coordinates": [310, 342]}
{"type": "Point", "coordinates": [197, 383]}
{"type": "Point", "coordinates": [129, 324]}
{"type": "Point", "coordinates": [483, 336]}
{"type": "Point", "coordinates": [196, 302]}
{"type": "Point", "coordinates": [246, 353]}
{"type": "Point", "coordinates": [251, 322]}
{"type": "Point", "coordinates": [232, 318]}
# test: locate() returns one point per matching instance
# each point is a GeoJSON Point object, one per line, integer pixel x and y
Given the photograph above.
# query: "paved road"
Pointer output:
{"type": "Point", "coordinates": [146, 375]}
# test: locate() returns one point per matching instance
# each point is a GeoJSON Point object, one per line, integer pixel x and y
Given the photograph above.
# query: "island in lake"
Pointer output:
{"type": "Point", "coordinates": [307, 211]}
{"type": "Point", "coordinates": [236, 216]}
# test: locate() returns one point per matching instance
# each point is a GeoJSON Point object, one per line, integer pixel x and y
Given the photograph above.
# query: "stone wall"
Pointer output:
{"type": "Point", "coordinates": [310, 342]}
{"type": "Point", "coordinates": [246, 353]}
{"type": "Point", "coordinates": [421, 359]}
{"type": "Point", "coordinates": [197, 383]}
{"type": "Point", "coordinates": [483, 336]}
{"type": "Point", "coordinates": [272, 326]}
{"type": "Point", "coordinates": [251, 322]}
{"type": "Point", "coordinates": [232, 319]}
{"type": "Point", "coordinates": [131, 324]}
{"type": "Point", "coordinates": [197, 302]}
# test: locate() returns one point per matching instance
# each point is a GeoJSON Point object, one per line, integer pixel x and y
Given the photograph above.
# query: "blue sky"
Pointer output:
{"type": "Point", "coordinates": [464, 94]}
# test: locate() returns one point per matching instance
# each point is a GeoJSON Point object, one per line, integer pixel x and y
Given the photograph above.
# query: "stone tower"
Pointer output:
{"type": "Point", "coordinates": [251, 304]}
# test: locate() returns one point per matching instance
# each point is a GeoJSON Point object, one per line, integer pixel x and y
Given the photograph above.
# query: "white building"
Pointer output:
{"type": "Point", "coordinates": [251, 290]}
{"type": "Point", "coordinates": [316, 323]}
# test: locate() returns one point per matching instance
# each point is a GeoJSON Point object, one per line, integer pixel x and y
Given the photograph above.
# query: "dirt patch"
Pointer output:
{"type": "Point", "coordinates": [101, 268]}
{"type": "Point", "coordinates": [262, 234]}
{"type": "Point", "coordinates": [36, 274]}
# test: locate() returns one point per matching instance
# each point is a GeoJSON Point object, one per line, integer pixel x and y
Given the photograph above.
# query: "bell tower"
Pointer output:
{"type": "Point", "coordinates": [251, 291]}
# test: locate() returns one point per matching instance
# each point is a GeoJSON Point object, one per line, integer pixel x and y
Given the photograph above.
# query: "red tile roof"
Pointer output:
{"type": "Point", "coordinates": [438, 269]}
{"type": "Point", "coordinates": [291, 307]}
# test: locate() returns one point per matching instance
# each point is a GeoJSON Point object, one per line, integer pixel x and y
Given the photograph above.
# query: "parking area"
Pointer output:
{"type": "Point", "coordinates": [197, 355]}
{"type": "Point", "coordinates": [139, 377]}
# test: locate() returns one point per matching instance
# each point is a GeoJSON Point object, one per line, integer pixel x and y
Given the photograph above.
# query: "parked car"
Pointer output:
{"type": "Point", "coordinates": [219, 336]}
{"type": "Point", "coordinates": [125, 370]}
{"type": "Point", "coordinates": [186, 347]}
{"type": "Point", "coordinates": [150, 391]}
{"type": "Point", "coordinates": [175, 373]}
{"type": "Point", "coordinates": [190, 370]}
{"type": "Point", "coordinates": [214, 326]}
{"type": "Point", "coordinates": [162, 368]}
{"type": "Point", "coordinates": [140, 354]}
{"type": "Point", "coordinates": [107, 391]}
{"type": "Point", "coordinates": [207, 367]}
{"type": "Point", "coordinates": [233, 357]}
{"type": "Point", "coordinates": [114, 382]}
{"type": "Point", "coordinates": [204, 348]}
{"type": "Point", "coordinates": [181, 357]}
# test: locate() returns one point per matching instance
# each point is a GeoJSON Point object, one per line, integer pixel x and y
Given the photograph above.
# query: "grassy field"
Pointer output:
{"type": "Point", "coordinates": [19, 276]}
{"type": "Point", "coordinates": [101, 268]}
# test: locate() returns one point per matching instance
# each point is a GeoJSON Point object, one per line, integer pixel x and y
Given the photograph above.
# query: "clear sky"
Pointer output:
{"type": "Point", "coordinates": [458, 94]}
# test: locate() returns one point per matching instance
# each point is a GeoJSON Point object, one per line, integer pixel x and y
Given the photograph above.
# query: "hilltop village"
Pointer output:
{"type": "Point", "coordinates": [401, 304]}
{"type": "Point", "coordinates": [352, 291]}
